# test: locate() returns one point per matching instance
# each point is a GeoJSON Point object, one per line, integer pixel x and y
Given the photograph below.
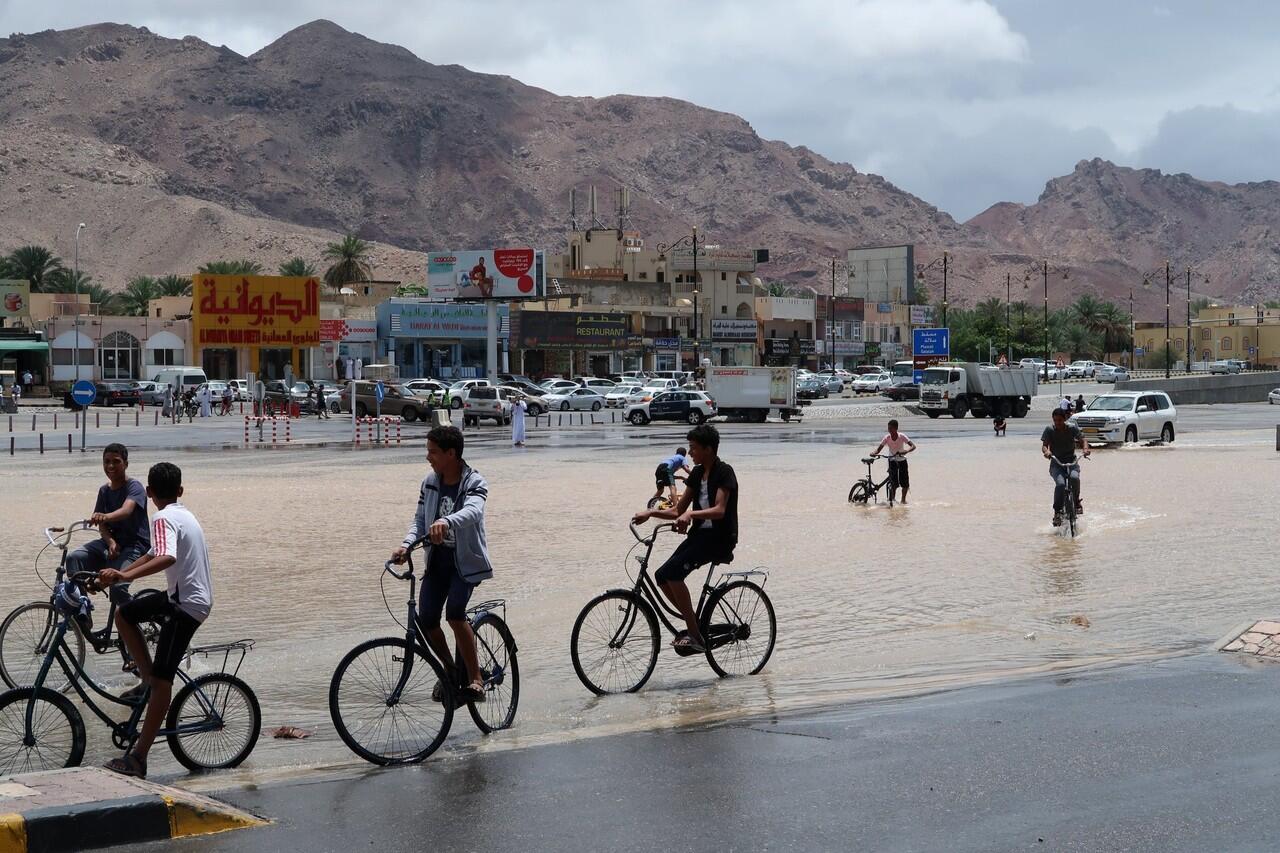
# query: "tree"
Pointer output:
{"type": "Point", "coordinates": [350, 258]}
{"type": "Point", "coordinates": [34, 263]}
{"type": "Point", "coordinates": [137, 294]}
{"type": "Point", "coordinates": [241, 267]}
{"type": "Point", "coordinates": [174, 285]}
{"type": "Point", "coordinates": [1115, 329]}
{"type": "Point", "coordinates": [298, 267]}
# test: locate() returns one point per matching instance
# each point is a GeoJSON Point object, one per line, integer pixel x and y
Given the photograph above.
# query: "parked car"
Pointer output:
{"type": "Point", "coordinates": [834, 384]}
{"type": "Point", "coordinates": [1273, 396]}
{"type": "Point", "coordinates": [1113, 373]}
{"type": "Point", "coordinates": [692, 407]}
{"type": "Point", "coordinates": [550, 385]}
{"type": "Point", "coordinates": [1128, 416]}
{"type": "Point", "coordinates": [872, 382]}
{"type": "Point", "coordinates": [458, 391]}
{"type": "Point", "coordinates": [845, 375]}
{"type": "Point", "coordinates": [151, 393]}
{"type": "Point", "coordinates": [277, 396]}
{"type": "Point", "coordinates": [240, 390]}
{"type": "Point", "coordinates": [534, 404]}
{"type": "Point", "coordinates": [595, 383]}
{"type": "Point", "coordinates": [486, 402]}
{"type": "Point", "coordinates": [898, 393]}
{"type": "Point", "coordinates": [433, 388]}
{"type": "Point", "coordinates": [659, 385]}
{"type": "Point", "coordinates": [117, 393]}
{"type": "Point", "coordinates": [574, 399]}
{"type": "Point", "coordinates": [397, 401]}
{"type": "Point", "coordinates": [867, 368]}
{"type": "Point", "coordinates": [1081, 369]}
{"type": "Point", "coordinates": [623, 395]}
{"type": "Point", "coordinates": [527, 388]}
{"type": "Point", "coordinates": [514, 379]}
{"type": "Point", "coordinates": [1227, 365]}
{"type": "Point", "coordinates": [811, 388]}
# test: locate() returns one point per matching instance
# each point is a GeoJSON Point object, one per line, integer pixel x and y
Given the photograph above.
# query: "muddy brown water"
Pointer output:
{"type": "Point", "coordinates": [968, 583]}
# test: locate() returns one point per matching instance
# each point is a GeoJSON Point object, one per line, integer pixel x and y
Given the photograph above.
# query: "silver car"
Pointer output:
{"type": "Point", "coordinates": [1273, 396]}
{"type": "Point", "coordinates": [152, 393]}
{"type": "Point", "coordinates": [579, 399]}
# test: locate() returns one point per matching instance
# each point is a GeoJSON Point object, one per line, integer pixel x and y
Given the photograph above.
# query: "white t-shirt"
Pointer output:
{"type": "Point", "coordinates": [706, 502]}
{"type": "Point", "coordinates": [176, 533]}
{"type": "Point", "coordinates": [896, 445]}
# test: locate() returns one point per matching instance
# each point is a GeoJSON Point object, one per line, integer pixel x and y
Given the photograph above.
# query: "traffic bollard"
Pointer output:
{"type": "Point", "coordinates": [42, 444]}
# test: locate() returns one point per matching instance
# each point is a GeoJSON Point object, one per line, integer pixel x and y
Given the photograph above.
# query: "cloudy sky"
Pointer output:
{"type": "Point", "coordinates": [962, 102]}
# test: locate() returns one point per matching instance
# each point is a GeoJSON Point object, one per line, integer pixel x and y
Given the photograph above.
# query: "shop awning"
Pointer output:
{"type": "Point", "coordinates": [22, 346]}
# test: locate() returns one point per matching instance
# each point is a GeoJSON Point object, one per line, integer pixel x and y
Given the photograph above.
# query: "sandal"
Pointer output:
{"type": "Point", "coordinates": [473, 692]}
{"type": "Point", "coordinates": [687, 644]}
{"type": "Point", "coordinates": [128, 765]}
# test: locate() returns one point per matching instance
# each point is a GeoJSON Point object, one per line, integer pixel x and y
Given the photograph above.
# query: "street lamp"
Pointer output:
{"type": "Point", "coordinates": [1044, 268]}
{"type": "Point", "coordinates": [76, 285]}
{"type": "Point", "coordinates": [945, 260]}
{"type": "Point", "coordinates": [1190, 353]}
{"type": "Point", "coordinates": [1008, 321]}
{"type": "Point", "coordinates": [695, 242]}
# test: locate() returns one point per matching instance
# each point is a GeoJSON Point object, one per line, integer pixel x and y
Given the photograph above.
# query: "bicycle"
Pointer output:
{"type": "Point", "coordinates": [614, 644]}
{"type": "Point", "coordinates": [27, 632]}
{"type": "Point", "coordinates": [867, 489]}
{"type": "Point", "coordinates": [213, 722]}
{"type": "Point", "coordinates": [1073, 492]}
{"type": "Point", "coordinates": [381, 701]}
{"type": "Point", "coordinates": [664, 501]}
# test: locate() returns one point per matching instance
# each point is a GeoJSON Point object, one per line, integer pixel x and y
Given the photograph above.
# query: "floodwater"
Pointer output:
{"type": "Point", "coordinates": [968, 583]}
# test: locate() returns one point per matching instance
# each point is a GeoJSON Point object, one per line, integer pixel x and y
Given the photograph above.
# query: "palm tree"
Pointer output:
{"type": "Point", "coordinates": [1115, 329]}
{"type": "Point", "coordinates": [350, 261]}
{"type": "Point", "coordinates": [136, 296]}
{"type": "Point", "coordinates": [174, 285]}
{"type": "Point", "coordinates": [1087, 311]}
{"type": "Point", "coordinates": [298, 267]}
{"type": "Point", "coordinates": [34, 263]}
{"type": "Point", "coordinates": [242, 267]}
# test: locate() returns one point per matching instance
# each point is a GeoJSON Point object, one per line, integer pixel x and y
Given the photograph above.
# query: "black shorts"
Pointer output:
{"type": "Point", "coordinates": [443, 589]}
{"type": "Point", "coordinates": [698, 549]}
{"type": "Point", "coordinates": [176, 630]}
{"type": "Point", "coordinates": [664, 477]}
{"type": "Point", "coordinates": [899, 475]}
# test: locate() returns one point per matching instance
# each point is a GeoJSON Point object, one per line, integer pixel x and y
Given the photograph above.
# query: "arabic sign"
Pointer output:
{"type": "Point", "coordinates": [348, 331]}
{"type": "Point", "coordinates": [15, 298]}
{"type": "Point", "coordinates": [563, 330]}
{"type": "Point", "coordinates": [714, 259]}
{"type": "Point", "coordinates": [436, 320]}
{"type": "Point", "coordinates": [789, 346]}
{"type": "Point", "coordinates": [921, 315]}
{"type": "Point", "coordinates": [488, 274]}
{"type": "Point", "coordinates": [931, 341]}
{"type": "Point", "coordinates": [733, 330]}
{"type": "Point", "coordinates": [255, 311]}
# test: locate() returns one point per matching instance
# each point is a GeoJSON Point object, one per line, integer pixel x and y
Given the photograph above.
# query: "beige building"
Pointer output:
{"type": "Point", "coordinates": [1245, 332]}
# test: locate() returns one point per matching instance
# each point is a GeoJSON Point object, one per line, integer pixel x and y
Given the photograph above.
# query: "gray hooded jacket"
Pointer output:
{"type": "Point", "coordinates": [466, 521]}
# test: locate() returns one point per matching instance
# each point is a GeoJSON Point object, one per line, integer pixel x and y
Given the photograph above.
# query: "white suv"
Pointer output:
{"type": "Point", "coordinates": [1128, 416]}
{"type": "Point", "coordinates": [1081, 369]}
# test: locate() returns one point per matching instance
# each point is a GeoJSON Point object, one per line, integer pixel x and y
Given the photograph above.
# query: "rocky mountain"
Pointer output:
{"type": "Point", "coordinates": [176, 152]}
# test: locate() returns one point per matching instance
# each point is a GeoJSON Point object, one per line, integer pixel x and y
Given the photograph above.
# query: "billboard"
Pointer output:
{"type": "Point", "coordinates": [713, 259]}
{"type": "Point", "coordinates": [255, 311]}
{"type": "Point", "coordinates": [15, 298]}
{"type": "Point", "coordinates": [922, 315]}
{"type": "Point", "coordinates": [734, 330]}
{"type": "Point", "coordinates": [566, 330]}
{"type": "Point", "coordinates": [504, 274]}
{"type": "Point", "coordinates": [883, 274]}
{"type": "Point", "coordinates": [349, 331]}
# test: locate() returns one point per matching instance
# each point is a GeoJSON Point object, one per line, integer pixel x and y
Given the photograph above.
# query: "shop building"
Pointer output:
{"type": "Point", "coordinates": [439, 340]}
{"type": "Point", "coordinates": [575, 343]}
{"type": "Point", "coordinates": [787, 331]}
{"type": "Point", "coordinates": [266, 325]}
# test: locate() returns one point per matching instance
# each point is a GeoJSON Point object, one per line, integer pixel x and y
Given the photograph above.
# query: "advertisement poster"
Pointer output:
{"type": "Point", "coordinates": [562, 330]}
{"type": "Point", "coordinates": [255, 311]}
{"type": "Point", "coordinates": [781, 384]}
{"type": "Point", "coordinates": [503, 274]}
{"type": "Point", "coordinates": [15, 298]}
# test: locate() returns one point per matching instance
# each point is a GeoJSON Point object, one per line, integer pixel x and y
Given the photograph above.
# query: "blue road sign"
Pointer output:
{"type": "Point", "coordinates": [84, 392]}
{"type": "Point", "coordinates": [379, 390]}
{"type": "Point", "coordinates": [935, 342]}
{"type": "Point", "coordinates": [1139, 351]}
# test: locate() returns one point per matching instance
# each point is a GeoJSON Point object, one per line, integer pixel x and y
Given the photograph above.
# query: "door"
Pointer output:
{"type": "Point", "coordinates": [1147, 420]}
{"type": "Point", "coordinates": [662, 406]}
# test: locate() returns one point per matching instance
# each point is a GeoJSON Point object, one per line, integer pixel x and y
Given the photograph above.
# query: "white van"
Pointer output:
{"type": "Point", "coordinates": [182, 378]}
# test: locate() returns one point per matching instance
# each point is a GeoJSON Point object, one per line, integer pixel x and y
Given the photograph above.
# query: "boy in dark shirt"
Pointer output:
{"type": "Point", "coordinates": [120, 514]}
{"type": "Point", "coordinates": [708, 512]}
{"type": "Point", "coordinates": [1058, 444]}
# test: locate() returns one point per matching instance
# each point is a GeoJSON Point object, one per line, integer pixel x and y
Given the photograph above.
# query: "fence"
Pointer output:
{"type": "Point", "coordinates": [260, 423]}
{"type": "Point", "coordinates": [377, 430]}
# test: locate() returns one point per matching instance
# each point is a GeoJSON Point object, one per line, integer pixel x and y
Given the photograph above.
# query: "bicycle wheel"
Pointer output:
{"type": "Point", "coordinates": [615, 643]}
{"type": "Point", "coordinates": [376, 727]}
{"type": "Point", "coordinates": [497, 652]}
{"type": "Point", "coordinates": [56, 727]}
{"type": "Point", "coordinates": [213, 722]}
{"type": "Point", "coordinates": [858, 494]}
{"type": "Point", "coordinates": [738, 628]}
{"type": "Point", "coordinates": [659, 503]}
{"type": "Point", "coordinates": [25, 636]}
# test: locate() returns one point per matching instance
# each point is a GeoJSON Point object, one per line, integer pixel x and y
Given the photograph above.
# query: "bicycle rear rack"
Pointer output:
{"type": "Point", "coordinates": [487, 606]}
{"type": "Point", "coordinates": [761, 572]}
{"type": "Point", "coordinates": [224, 649]}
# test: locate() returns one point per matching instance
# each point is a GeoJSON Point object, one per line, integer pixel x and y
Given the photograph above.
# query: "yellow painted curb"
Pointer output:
{"type": "Point", "coordinates": [205, 817]}
{"type": "Point", "coordinates": [13, 834]}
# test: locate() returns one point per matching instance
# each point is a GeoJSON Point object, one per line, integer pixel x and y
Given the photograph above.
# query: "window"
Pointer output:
{"type": "Point", "coordinates": [1226, 344]}
{"type": "Point", "coordinates": [119, 355]}
{"type": "Point", "coordinates": [724, 309]}
{"type": "Point", "coordinates": [164, 357]}
{"type": "Point", "coordinates": [644, 276]}
{"type": "Point", "coordinates": [1205, 334]}
{"type": "Point", "coordinates": [723, 277]}
{"type": "Point", "coordinates": [1163, 402]}
{"type": "Point", "coordinates": [662, 277]}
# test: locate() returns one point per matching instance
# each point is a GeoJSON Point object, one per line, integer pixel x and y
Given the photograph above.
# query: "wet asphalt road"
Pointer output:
{"type": "Point", "coordinates": [1165, 756]}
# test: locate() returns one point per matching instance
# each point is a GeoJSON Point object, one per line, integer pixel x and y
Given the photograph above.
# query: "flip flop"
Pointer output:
{"type": "Point", "coordinates": [128, 765]}
{"type": "Point", "coordinates": [685, 643]}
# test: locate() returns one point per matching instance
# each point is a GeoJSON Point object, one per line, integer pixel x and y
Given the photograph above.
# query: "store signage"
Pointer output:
{"type": "Point", "coordinates": [734, 330]}
{"type": "Point", "coordinates": [255, 311]}
{"type": "Point", "coordinates": [566, 330]}
{"type": "Point", "coordinates": [348, 331]}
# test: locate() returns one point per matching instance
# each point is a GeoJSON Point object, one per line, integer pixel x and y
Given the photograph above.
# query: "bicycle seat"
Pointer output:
{"type": "Point", "coordinates": [869, 459]}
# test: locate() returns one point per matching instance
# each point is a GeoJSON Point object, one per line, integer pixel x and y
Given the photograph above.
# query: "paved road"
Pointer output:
{"type": "Point", "coordinates": [1166, 756]}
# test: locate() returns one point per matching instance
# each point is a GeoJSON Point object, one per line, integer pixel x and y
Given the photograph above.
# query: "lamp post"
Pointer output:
{"type": "Point", "coordinates": [1189, 350]}
{"type": "Point", "coordinates": [945, 262]}
{"type": "Point", "coordinates": [1008, 320]}
{"type": "Point", "coordinates": [1044, 268]}
{"type": "Point", "coordinates": [694, 242]}
{"type": "Point", "coordinates": [76, 285]}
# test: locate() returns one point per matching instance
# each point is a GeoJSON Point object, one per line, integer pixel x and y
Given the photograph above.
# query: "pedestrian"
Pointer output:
{"type": "Point", "coordinates": [17, 393]}
{"type": "Point", "coordinates": [899, 446]}
{"type": "Point", "coordinates": [27, 380]}
{"type": "Point", "coordinates": [166, 407]}
{"type": "Point", "coordinates": [1079, 402]}
{"type": "Point", "coordinates": [205, 395]}
{"type": "Point", "coordinates": [518, 408]}
{"type": "Point", "coordinates": [319, 395]}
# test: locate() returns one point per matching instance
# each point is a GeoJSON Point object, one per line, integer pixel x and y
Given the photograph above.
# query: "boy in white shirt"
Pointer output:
{"type": "Point", "coordinates": [178, 550]}
{"type": "Point", "coordinates": [899, 446]}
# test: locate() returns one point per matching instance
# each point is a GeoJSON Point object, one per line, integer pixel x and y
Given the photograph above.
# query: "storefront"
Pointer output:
{"type": "Point", "coordinates": [571, 343]}
{"type": "Point", "coordinates": [114, 347]}
{"type": "Point", "coordinates": [260, 324]}
{"type": "Point", "coordinates": [438, 340]}
{"type": "Point", "coordinates": [734, 342]}
{"type": "Point", "coordinates": [343, 340]}
{"type": "Point", "coordinates": [794, 351]}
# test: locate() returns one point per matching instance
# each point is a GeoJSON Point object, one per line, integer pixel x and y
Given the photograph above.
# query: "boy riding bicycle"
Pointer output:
{"type": "Point", "coordinates": [899, 446]}
{"type": "Point", "coordinates": [1058, 444]}
{"type": "Point", "coordinates": [451, 504]}
{"type": "Point", "coordinates": [177, 549]}
{"type": "Point", "coordinates": [665, 475]}
{"type": "Point", "coordinates": [120, 514]}
{"type": "Point", "coordinates": [708, 511]}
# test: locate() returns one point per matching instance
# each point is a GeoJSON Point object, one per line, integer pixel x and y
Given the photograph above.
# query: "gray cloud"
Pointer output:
{"type": "Point", "coordinates": [963, 102]}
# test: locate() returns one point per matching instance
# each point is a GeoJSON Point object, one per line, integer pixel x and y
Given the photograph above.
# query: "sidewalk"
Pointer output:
{"type": "Point", "coordinates": [1168, 756]}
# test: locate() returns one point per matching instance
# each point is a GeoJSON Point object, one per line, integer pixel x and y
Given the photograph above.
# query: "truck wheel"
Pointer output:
{"type": "Point", "coordinates": [959, 409]}
{"type": "Point", "coordinates": [1020, 408]}
{"type": "Point", "coordinates": [933, 414]}
{"type": "Point", "coordinates": [786, 417]}
{"type": "Point", "coordinates": [1003, 409]}
{"type": "Point", "coordinates": [761, 417]}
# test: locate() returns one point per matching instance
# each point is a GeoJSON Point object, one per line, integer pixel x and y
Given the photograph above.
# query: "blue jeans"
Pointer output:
{"type": "Point", "coordinates": [1062, 475]}
{"type": "Point", "coordinates": [92, 557]}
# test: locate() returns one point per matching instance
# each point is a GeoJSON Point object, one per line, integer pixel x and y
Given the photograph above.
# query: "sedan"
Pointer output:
{"type": "Point", "coordinates": [834, 384]}
{"type": "Point", "coordinates": [872, 382]}
{"type": "Point", "coordinates": [811, 388]}
{"type": "Point", "coordinates": [1273, 396]}
{"type": "Point", "coordinates": [624, 395]}
{"type": "Point", "coordinates": [117, 393]}
{"type": "Point", "coordinates": [550, 385]}
{"type": "Point", "coordinates": [534, 404]}
{"type": "Point", "coordinates": [1113, 373]}
{"type": "Point", "coordinates": [152, 393]}
{"type": "Point", "coordinates": [569, 399]}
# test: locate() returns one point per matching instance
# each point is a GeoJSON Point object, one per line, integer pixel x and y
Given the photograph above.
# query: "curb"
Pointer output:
{"type": "Point", "coordinates": [83, 808]}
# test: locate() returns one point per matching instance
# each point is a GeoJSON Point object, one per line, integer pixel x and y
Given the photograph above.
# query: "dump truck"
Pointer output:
{"type": "Point", "coordinates": [962, 387]}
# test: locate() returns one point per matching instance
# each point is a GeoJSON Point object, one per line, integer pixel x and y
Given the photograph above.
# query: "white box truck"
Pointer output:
{"type": "Point", "coordinates": [964, 387]}
{"type": "Point", "coordinates": [752, 393]}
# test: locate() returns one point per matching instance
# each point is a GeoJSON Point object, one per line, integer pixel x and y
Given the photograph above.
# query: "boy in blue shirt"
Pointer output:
{"type": "Point", "coordinates": [665, 475]}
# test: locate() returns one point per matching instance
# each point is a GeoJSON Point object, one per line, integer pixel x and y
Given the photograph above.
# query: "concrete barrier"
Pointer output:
{"type": "Point", "coordinates": [1193, 390]}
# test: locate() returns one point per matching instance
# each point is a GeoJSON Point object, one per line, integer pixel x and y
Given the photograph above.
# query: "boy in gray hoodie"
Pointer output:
{"type": "Point", "coordinates": [450, 520]}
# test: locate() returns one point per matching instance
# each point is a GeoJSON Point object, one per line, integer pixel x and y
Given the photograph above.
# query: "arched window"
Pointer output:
{"type": "Point", "coordinates": [1226, 344]}
{"type": "Point", "coordinates": [744, 311]}
{"type": "Point", "coordinates": [119, 356]}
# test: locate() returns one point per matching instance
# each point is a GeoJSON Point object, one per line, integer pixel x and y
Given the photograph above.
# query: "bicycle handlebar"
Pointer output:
{"type": "Point", "coordinates": [73, 527]}
{"type": "Point", "coordinates": [631, 525]}
{"type": "Point", "coordinates": [1068, 464]}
